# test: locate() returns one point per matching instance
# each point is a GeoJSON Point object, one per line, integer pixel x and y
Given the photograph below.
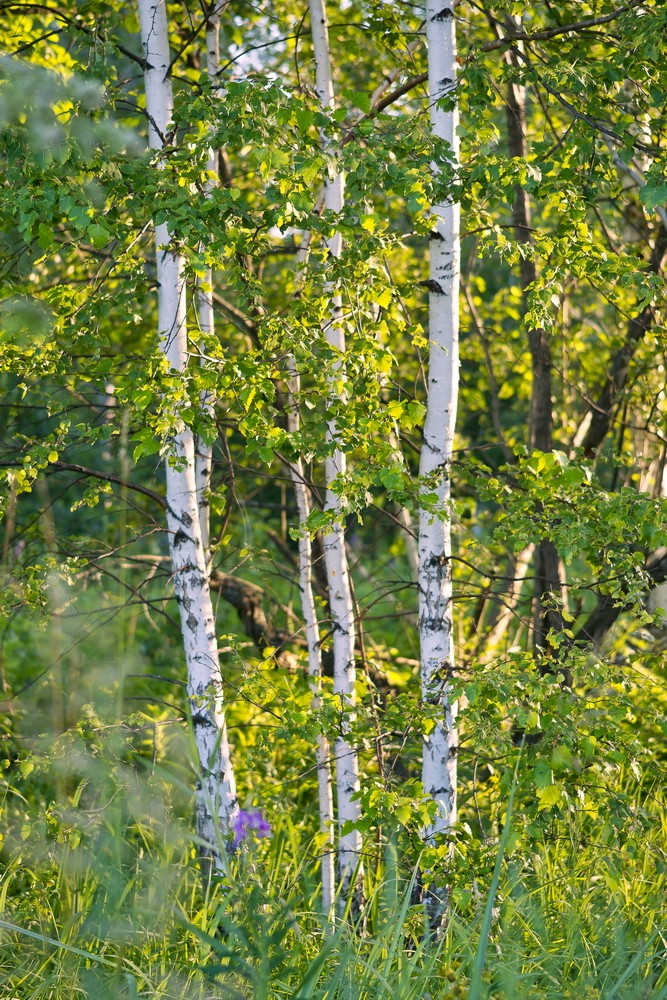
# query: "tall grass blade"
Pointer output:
{"type": "Point", "coordinates": [57, 944]}
{"type": "Point", "coordinates": [634, 965]}
{"type": "Point", "coordinates": [475, 989]}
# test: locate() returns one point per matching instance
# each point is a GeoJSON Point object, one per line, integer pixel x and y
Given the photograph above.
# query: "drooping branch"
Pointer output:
{"type": "Point", "coordinates": [561, 29]}
{"type": "Point", "coordinates": [74, 24]}
{"type": "Point", "coordinates": [105, 477]}
{"type": "Point", "coordinates": [404, 88]}
{"type": "Point", "coordinates": [636, 176]}
{"type": "Point", "coordinates": [608, 609]}
{"type": "Point", "coordinates": [250, 602]}
{"type": "Point", "coordinates": [599, 418]}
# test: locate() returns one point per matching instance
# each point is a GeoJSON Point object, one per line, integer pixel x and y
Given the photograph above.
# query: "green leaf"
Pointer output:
{"type": "Point", "coordinates": [359, 98]}
{"type": "Point", "coordinates": [654, 194]}
{"type": "Point", "coordinates": [549, 796]}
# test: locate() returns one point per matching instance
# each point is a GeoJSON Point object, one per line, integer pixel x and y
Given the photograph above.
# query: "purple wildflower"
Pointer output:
{"type": "Point", "coordinates": [249, 822]}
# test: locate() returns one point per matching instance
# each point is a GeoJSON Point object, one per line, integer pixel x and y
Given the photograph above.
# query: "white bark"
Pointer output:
{"type": "Point", "coordinates": [435, 581]}
{"type": "Point", "coordinates": [322, 751]}
{"type": "Point", "coordinates": [204, 451]}
{"type": "Point", "coordinates": [340, 594]}
{"type": "Point", "coordinates": [216, 792]}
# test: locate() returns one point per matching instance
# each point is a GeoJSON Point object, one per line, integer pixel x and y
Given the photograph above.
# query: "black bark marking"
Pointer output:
{"type": "Point", "coordinates": [443, 790]}
{"type": "Point", "coordinates": [201, 719]}
{"type": "Point", "coordinates": [431, 623]}
{"type": "Point", "coordinates": [433, 286]}
{"type": "Point", "coordinates": [180, 538]}
{"type": "Point", "coordinates": [443, 15]}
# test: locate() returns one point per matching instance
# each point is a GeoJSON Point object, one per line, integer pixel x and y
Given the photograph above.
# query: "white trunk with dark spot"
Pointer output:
{"type": "Point", "coordinates": [322, 751]}
{"type": "Point", "coordinates": [340, 594]}
{"type": "Point", "coordinates": [204, 451]}
{"type": "Point", "coordinates": [216, 792]}
{"type": "Point", "coordinates": [435, 582]}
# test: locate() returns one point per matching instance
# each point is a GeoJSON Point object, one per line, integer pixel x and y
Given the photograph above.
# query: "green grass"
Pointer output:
{"type": "Point", "coordinates": [101, 896]}
{"type": "Point", "coordinates": [131, 919]}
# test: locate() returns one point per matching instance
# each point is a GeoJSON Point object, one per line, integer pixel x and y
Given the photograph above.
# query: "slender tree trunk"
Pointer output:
{"type": "Point", "coordinates": [435, 580]}
{"type": "Point", "coordinates": [340, 595]}
{"type": "Point", "coordinates": [204, 450]}
{"type": "Point", "coordinates": [549, 589]}
{"type": "Point", "coordinates": [216, 792]}
{"type": "Point", "coordinates": [322, 751]}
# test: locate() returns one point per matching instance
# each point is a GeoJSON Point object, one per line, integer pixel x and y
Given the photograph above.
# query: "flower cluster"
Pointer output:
{"type": "Point", "coordinates": [249, 823]}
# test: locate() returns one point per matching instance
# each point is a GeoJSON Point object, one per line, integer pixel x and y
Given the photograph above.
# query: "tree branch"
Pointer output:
{"type": "Point", "coordinates": [608, 610]}
{"type": "Point", "coordinates": [599, 417]}
{"type": "Point", "coordinates": [74, 23]}
{"type": "Point", "coordinates": [564, 29]}
{"type": "Point", "coordinates": [406, 87]}
{"type": "Point", "coordinates": [106, 477]}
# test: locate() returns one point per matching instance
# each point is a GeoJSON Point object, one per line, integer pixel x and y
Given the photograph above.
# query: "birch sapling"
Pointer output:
{"type": "Point", "coordinates": [322, 750]}
{"type": "Point", "coordinates": [340, 593]}
{"type": "Point", "coordinates": [216, 803]}
{"type": "Point", "coordinates": [203, 450]}
{"type": "Point", "coordinates": [435, 549]}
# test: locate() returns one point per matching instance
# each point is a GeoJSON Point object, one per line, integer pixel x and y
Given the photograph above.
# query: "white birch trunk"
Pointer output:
{"type": "Point", "coordinates": [216, 792]}
{"type": "Point", "coordinates": [204, 451]}
{"type": "Point", "coordinates": [340, 594]}
{"type": "Point", "coordinates": [322, 751]}
{"type": "Point", "coordinates": [435, 579]}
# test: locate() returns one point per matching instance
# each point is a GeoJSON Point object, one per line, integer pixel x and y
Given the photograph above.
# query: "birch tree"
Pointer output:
{"type": "Point", "coordinates": [435, 547]}
{"type": "Point", "coordinates": [584, 289]}
{"type": "Point", "coordinates": [216, 802]}
{"type": "Point", "coordinates": [340, 593]}
{"type": "Point", "coordinates": [313, 641]}
{"type": "Point", "coordinates": [205, 308]}
{"type": "Point", "coordinates": [203, 449]}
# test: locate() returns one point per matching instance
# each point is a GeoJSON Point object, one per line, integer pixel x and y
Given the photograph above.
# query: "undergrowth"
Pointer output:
{"type": "Point", "coordinates": [119, 910]}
